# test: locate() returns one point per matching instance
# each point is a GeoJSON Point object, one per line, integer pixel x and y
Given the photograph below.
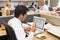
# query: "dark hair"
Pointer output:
{"type": "Point", "coordinates": [32, 3]}
{"type": "Point", "coordinates": [20, 9]}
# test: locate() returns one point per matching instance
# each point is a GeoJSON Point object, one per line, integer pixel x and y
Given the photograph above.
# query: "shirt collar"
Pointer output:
{"type": "Point", "coordinates": [17, 20]}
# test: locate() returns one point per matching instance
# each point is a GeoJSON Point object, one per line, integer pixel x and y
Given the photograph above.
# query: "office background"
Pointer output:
{"type": "Point", "coordinates": [51, 3]}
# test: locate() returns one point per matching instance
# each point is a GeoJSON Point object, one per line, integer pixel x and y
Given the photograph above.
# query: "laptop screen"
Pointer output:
{"type": "Point", "coordinates": [40, 22]}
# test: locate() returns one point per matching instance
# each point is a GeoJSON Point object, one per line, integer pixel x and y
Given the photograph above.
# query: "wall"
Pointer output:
{"type": "Point", "coordinates": [53, 3]}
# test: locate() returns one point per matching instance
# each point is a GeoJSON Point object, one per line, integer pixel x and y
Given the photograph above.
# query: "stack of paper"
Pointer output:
{"type": "Point", "coordinates": [55, 31]}
{"type": "Point", "coordinates": [48, 26]}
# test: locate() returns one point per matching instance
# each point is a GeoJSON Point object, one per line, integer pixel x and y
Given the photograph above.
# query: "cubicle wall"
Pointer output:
{"type": "Point", "coordinates": [29, 18]}
{"type": "Point", "coordinates": [51, 19]}
{"type": "Point", "coordinates": [5, 19]}
{"type": "Point", "coordinates": [54, 3]}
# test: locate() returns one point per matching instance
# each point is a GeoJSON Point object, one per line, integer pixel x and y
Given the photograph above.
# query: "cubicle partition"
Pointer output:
{"type": "Point", "coordinates": [5, 18]}
{"type": "Point", "coordinates": [51, 19]}
{"type": "Point", "coordinates": [29, 18]}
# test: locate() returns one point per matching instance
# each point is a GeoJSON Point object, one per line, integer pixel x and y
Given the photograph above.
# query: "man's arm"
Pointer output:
{"type": "Point", "coordinates": [27, 28]}
{"type": "Point", "coordinates": [20, 34]}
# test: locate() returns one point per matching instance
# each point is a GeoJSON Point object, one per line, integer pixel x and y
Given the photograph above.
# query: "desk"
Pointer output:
{"type": "Point", "coordinates": [2, 32]}
{"type": "Point", "coordinates": [3, 35]}
{"type": "Point", "coordinates": [49, 36]}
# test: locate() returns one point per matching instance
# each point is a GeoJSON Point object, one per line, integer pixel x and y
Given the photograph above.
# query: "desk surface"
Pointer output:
{"type": "Point", "coordinates": [2, 32]}
{"type": "Point", "coordinates": [49, 36]}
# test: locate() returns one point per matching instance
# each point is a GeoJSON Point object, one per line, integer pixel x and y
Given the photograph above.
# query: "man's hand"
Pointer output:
{"type": "Point", "coordinates": [27, 28]}
{"type": "Point", "coordinates": [33, 29]}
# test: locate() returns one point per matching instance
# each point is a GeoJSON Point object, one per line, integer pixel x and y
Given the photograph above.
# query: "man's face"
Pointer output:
{"type": "Point", "coordinates": [42, 3]}
{"type": "Point", "coordinates": [22, 17]}
{"type": "Point", "coordinates": [9, 6]}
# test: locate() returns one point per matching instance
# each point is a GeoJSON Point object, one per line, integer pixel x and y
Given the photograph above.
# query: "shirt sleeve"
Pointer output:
{"type": "Point", "coordinates": [30, 37]}
{"type": "Point", "coordinates": [19, 31]}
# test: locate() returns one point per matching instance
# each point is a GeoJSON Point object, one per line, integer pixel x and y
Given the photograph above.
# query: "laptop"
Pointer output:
{"type": "Point", "coordinates": [40, 22]}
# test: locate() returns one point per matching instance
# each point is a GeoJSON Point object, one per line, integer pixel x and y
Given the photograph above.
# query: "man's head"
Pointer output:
{"type": "Point", "coordinates": [21, 12]}
{"type": "Point", "coordinates": [42, 2]}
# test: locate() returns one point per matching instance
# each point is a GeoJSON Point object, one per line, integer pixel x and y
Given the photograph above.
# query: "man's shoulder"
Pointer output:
{"type": "Point", "coordinates": [45, 5]}
{"type": "Point", "coordinates": [11, 20]}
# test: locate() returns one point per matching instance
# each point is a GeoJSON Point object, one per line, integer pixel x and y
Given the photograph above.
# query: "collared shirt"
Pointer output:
{"type": "Point", "coordinates": [12, 8]}
{"type": "Point", "coordinates": [44, 8]}
{"type": "Point", "coordinates": [15, 23]}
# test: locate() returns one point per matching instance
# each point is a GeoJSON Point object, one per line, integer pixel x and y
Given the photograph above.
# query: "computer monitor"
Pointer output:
{"type": "Point", "coordinates": [29, 18]}
{"type": "Point", "coordinates": [40, 22]}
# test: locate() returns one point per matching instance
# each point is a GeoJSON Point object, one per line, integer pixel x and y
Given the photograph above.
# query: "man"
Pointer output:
{"type": "Point", "coordinates": [15, 23]}
{"type": "Point", "coordinates": [43, 7]}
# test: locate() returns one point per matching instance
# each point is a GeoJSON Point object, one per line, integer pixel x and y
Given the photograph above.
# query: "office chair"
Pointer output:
{"type": "Point", "coordinates": [11, 12]}
{"type": "Point", "coordinates": [10, 32]}
{"type": "Point", "coordinates": [50, 9]}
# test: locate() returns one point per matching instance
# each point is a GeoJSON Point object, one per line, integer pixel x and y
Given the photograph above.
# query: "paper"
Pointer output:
{"type": "Point", "coordinates": [48, 26]}
{"type": "Point", "coordinates": [55, 31]}
{"type": "Point", "coordinates": [30, 23]}
{"type": "Point", "coordinates": [25, 25]}
{"type": "Point", "coordinates": [40, 35]}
